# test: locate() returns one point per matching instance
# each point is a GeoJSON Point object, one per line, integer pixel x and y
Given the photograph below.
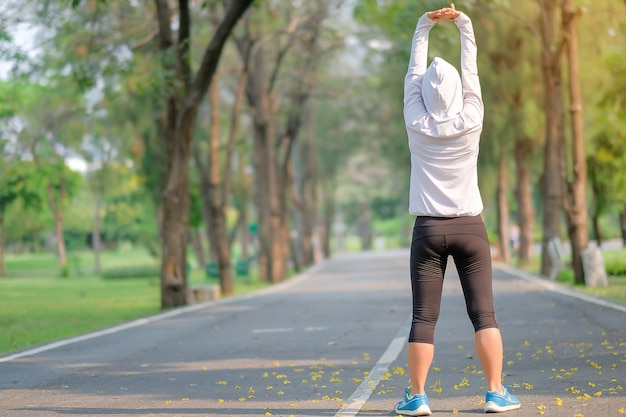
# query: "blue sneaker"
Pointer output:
{"type": "Point", "coordinates": [499, 403]}
{"type": "Point", "coordinates": [416, 405]}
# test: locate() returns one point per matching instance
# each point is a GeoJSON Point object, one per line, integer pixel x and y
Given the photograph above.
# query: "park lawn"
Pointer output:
{"type": "Point", "coordinates": [40, 306]}
{"type": "Point", "coordinates": [615, 263]}
{"type": "Point", "coordinates": [78, 263]}
{"type": "Point", "coordinates": [40, 310]}
{"type": "Point", "coordinates": [616, 290]}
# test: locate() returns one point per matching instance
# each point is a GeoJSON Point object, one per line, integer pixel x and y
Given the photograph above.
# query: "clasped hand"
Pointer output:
{"type": "Point", "coordinates": [446, 13]}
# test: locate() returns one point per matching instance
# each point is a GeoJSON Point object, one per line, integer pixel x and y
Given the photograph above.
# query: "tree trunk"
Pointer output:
{"type": "Point", "coordinates": [244, 236]}
{"type": "Point", "coordinates": [307, 229]}
{"type": "Point", "coordinates": [241, 231]}
{"type": "Point", "coordinates": [219, 235]}
{"type": "Point", "coordinates": [576, 205]}
{"type": "Point", "coordinates": [176, 124]}
{"type": "Point", "coordinates": [264, 195]}
{"type": "Point", "coordinates": [297, 212]}
{"type": "Point", "coordinates": [241, 200]}
{"type": "Point", "coordinates": [3, 265]}
{"type": "Point", "coordinates": [280, 234]}
{"type": "Point", "coordinates": [58, 227]}
{"type": "Point", "coordinates": [503, 212]}
{"type": "Point", "coordinates": [327, 196]}
{"type": "Point", "coordinates": [595, 219]}
{"type": "Point", "coordinates": [598, 202]}
{"type": "Point", "coordinates": [184, 96]}
{"type": "Point", "coordinates": [327, 221]}
{"type": "Point", "coordinates": [96, 242]}
{"type": "Point", "coordinates": [364, 227]}
{"type": "Point", "coordinates": [56, 205]}
{"type": "Point", "coordinates": [205, 196]}
{"type": "Point", "coordinates": [298, 108]}
{"type": "Point", "coordinates": [272, 264]}
{"type": "Point", "coordinates": [296, 262]}
{"type": "Point", "coordinates": [552, 181]}
{"type": "Point", "coordinates": [526, 213]}
{"type": "Point", "coordinates": [174, 235]}
{"type": "Point", "coordinates": [623, 218]}
{"type": "Point", "coordinates": [285, 191]}
{"type": "Point", "coordinates": [308, 187]}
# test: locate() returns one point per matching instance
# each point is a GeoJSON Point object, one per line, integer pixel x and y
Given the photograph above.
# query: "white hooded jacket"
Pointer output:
{"type": "Point", "coordinates": [443, 114]}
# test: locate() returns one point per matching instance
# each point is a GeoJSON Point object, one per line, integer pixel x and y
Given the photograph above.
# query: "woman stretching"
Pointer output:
{"type": "Point", "coordinates": [443, 114]}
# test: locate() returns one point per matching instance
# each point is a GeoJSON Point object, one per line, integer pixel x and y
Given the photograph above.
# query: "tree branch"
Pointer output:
{"type": "Point", "coordinates": [184, 41]}
{"type": "Point", "coordinates": [212, 53]}
{"type": "Point", "coordinates": [282, 53]}
{"type": "Point", "coordinates": [165, 31]}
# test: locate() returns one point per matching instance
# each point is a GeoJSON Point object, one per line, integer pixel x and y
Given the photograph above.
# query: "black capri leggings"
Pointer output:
{"type": "Point", "coordinates": [465, 239]}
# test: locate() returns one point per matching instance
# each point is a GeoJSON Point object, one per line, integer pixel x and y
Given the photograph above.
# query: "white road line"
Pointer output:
{"type": "Point", "coordinates": [278, 330]}
{"type": "Point", "coordinates": [364, 391]}
{"type": "Point", "coordinates": [290, 329]}
{"type": "Point", "coordinates": [316, 328]}
{"type": "Point", "coordinates": [92, 335]}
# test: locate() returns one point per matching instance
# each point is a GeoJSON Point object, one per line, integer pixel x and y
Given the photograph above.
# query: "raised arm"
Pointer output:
{"type": "Point", "coordinates": [419, 48]}
{"type": "Point", "coordinates": [413, 104]}
{"type": "Point", "coordinates": [472, 95]}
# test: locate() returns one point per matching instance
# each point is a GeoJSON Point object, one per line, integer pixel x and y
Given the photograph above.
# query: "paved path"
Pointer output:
{"type": "Point", "coordinates": [330, 342]}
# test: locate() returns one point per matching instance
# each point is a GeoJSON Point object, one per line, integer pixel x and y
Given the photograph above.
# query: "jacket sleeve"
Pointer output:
{"type": "Point", "coordinates": [413, 103]}
{"type": "Point", "coordinates": [473, 106]}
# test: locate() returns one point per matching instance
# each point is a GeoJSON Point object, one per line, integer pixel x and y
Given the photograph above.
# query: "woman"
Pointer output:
{"type": "Point", "coordinates": [443, 114]}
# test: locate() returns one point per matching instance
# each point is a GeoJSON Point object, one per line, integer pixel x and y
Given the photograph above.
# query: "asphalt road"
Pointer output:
{"type": "Point", "coordinates": [330, 342]}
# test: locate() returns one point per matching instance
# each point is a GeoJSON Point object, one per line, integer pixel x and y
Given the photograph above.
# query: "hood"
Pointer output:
{"type": "Point", "coordinates": [442, 90]}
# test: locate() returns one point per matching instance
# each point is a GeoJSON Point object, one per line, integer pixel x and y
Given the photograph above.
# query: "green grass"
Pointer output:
{"type": "Point", "coordinates": [39, 305]}
{"type": "Point", "coordinates": [615, 261]}
{"type": "Point", "coordinates": [78, 263]}
{"type": "Point", "coordinates": [39, 310]}
{"type": "Point", "coordinates": [615, 264]}
{"type": "Point", "coordinates": [616, 290]}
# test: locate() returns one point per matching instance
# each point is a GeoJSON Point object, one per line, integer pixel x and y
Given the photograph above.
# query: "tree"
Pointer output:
{"type": "Point", "coordinates": [607, 162]}
{"type": "Point", "coordinates": [575, 200]}
{"type": "Point", "coordinates": [16, 183]}
{"type": "Point", "coordinates": [268, 92]}
{"type": "Point", "coordinates": [553, 173]}
{"type": "Point", "coordinates": [52, 130]}
{"type": "Point", "coordinates": [215, 181]}
{"type": "Point", "coordinates": [513, 121]}
{"type": "Point", "coordinates": [183, 94]}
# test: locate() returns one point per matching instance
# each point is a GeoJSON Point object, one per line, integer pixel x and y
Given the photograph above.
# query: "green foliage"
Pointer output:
{"type": "Point", "coordinates": [607, 162]}
{"type": "Point", "coordinates": [77, 3]}
{"type": "Point", "coordinates": [9, 99]}
{"type": "Point", "coordinates": [195, 208]}
{"type": "Point", "coordinates": [615, 262]}
{"type": "Point", "coordinates": [58, 179]}
{"type": "Point", "coordinates": [18, 180]}
{"type": "Point", "coordinates": [386, 208]}
{"type": "Point", "coordinates": [395, 231]}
